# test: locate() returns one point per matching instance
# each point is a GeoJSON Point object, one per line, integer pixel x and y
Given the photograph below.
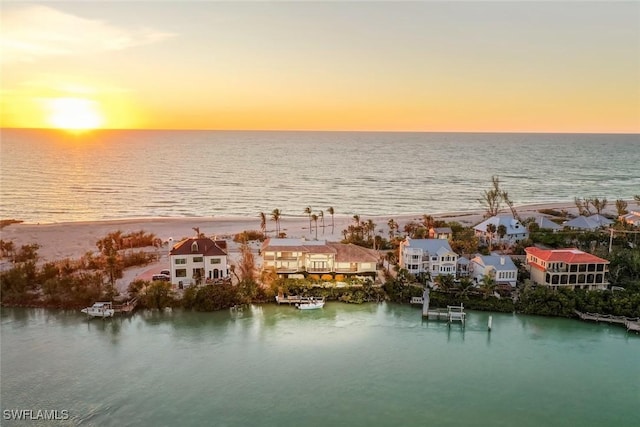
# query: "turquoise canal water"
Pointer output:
{"type": "Point", "coordinates": [367, 365]}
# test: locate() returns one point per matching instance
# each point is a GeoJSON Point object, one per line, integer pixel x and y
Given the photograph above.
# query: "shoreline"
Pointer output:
{"type": "Point", "coordinates": [74, 239]}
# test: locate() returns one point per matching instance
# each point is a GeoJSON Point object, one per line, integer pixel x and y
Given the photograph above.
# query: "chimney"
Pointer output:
{"type": "Point", "coordinates": [501, 260]}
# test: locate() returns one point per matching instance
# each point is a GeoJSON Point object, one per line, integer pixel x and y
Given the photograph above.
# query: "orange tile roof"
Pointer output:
{"type": "Point", "coordinates": [568, 256]}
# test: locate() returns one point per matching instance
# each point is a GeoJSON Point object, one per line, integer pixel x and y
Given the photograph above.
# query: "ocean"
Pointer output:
{"type": "Point", "coordinates": [345, 365]}
{"type": "Point", "coordinates": [52, 176]}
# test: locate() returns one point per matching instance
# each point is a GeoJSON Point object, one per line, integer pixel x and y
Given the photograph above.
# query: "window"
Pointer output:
{"type": "Point", "coordinates": [215, 260]}
{"type": "Point", "coordinates": [194, 247]}
{"type": "Point", "coordinates": [197, 259]}
{"type": "Point", "coordinates": [181, 272]}
{"type": "Point", "coordinates": [181, 261]}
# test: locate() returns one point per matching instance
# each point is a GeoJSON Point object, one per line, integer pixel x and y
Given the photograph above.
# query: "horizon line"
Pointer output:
{"type": "Point", "coordinates": [88, 131]}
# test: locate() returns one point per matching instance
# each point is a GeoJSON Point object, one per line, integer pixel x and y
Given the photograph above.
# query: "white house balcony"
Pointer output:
{"type": "Point", "coordinates": [348, 270]}
{"type": "Point", "coordinates": [279, 258]}
{"type": "Point", "coordinates": [287, 270]}
{"type": "Point", "coordinates": [318, 270]}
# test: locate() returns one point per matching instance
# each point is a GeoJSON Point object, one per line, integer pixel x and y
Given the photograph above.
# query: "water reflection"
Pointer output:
{"type": "Point", "coordinates": [257, 364]}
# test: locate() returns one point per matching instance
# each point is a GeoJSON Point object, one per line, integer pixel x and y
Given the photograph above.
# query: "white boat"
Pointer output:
{"type": "Point", "coordinates": [311, 304]}
{"type": "Point", "coordinates": [100, 309]}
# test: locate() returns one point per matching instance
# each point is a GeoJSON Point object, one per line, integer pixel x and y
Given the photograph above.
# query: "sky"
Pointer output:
{"type": "Point", "coordinates": [509, 66]}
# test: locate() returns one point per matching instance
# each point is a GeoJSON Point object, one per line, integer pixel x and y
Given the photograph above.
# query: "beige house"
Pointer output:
{"type": "Point", "coordinates": [632, 218]}
{"type": "Point", "coordinates": [293, 257]}
{"type": "Point", "coordinates": [567, 268]}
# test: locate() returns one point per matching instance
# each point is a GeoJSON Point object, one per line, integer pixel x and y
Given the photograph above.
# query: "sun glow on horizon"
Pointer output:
{"type": "Point", "coordinates": [74, 114]}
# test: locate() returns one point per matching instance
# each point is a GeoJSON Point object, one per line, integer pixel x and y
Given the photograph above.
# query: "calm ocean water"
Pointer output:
{"type": "Point", "coordinates": [49, 176]}
{"type": "Point", "coordinates": [345, 365]}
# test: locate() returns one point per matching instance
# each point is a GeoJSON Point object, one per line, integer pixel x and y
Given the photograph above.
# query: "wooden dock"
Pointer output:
{"type": "Point", "coordinates": [127, 307]}
{"type": "Point", "coordinates": [295, 299]}
{"type": "Point", "coordinates": [452, 313]}
{"type": "Point", "coordinates": [632, 324]}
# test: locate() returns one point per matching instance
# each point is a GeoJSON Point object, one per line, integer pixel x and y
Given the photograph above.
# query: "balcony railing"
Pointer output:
{"type": "Point", "coordinates": [347, 270]}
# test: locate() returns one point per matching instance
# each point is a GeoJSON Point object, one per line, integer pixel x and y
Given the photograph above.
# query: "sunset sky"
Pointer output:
{"type": "Point", "coordinates": [405, 66]}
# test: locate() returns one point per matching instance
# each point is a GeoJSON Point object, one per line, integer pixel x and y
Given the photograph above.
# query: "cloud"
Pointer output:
{"type": "Point", "coordinates": [34, 32]}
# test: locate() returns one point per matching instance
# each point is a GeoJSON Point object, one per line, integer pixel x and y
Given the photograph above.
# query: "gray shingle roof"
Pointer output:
{"type": "Point", "coordinates": [513, 225]}
{"type": "Point", "coordinates": [431, 246]}
{"type": "Point", "coordinates": [583, 223]}
{"type": "Point", "coordinates": [495, 261]}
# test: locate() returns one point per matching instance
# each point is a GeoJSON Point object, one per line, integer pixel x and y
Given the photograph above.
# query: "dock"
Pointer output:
{"type": "Point", "coordinates": [631, 324]}
{"type": "Point", "coordinates": [295, 299]}
{"type": "Point", "coordinates": [452, 313]}
{"type": "Point", "coordinates": [127, 307]}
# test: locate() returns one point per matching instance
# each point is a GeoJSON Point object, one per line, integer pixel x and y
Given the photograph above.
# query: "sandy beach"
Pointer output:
{"type": "Point", "coordinates": [73, 239]}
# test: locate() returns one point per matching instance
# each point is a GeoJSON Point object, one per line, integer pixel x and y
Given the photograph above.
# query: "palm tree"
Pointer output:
{"type": "Point", "coordinates": [599, 205]}
{"type": "Point", "coordinates": [393, 226]}
{"type": "Point", "coordinates": [370, 226]}
{"type": "Point", "coordinates": [357, 230]}
{"type": "Point", "coordinates": [427, 221]}
{"type": "Point", "coordinates": [502, 231]}
{"type": "Point", "coordinates": [488, 285]}
{"type": "Point", "coordinates": [445, 282]}
{"type": "Point", "coordinates": [275, 215]}
{"type": "Point", "coordinates": [321, 216]}
{"type": "Point", "coordinates": [491, 228]}
{"type": "Point", "coordinates": [331, 212]}
{"type": "Point", "coordinates": [391, 259]}
{"type": "Point", "coordinates": [314, 218]}
{"type": "Point", "coordinates": [466, 284]}
{"type": "Point", "coordinates": [263, 223]}
{"type": "Point", "coordinates": [308, 211]}
{"type": "Point", "coordinates": [621, 207]}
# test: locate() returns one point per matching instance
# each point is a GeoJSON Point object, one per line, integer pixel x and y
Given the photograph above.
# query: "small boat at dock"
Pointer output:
{"type": "Point", "coordinates": [311, 304]}
{"type": "Point", "coordinates": [99, 309]}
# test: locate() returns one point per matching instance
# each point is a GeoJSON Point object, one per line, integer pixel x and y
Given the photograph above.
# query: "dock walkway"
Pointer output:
{"type": "Point", "coordinates": [632, 324]}
{"type": "Point", "coordinates": [296, 299]}
{"type": "Point", "coordinates": [127, 307]}
{"type": "Point", "coordinates": [452, 313]}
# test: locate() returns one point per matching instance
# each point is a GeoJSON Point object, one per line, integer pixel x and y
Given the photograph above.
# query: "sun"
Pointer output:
{"type": "Point", "coordinates": [75, 114]}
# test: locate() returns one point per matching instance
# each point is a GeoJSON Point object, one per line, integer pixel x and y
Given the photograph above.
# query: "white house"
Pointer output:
{"type": "Point", "coordinates": [500, 267]}
{"type": "Point", "coordinates": [433, 256]}
{"type": "Point", "coordinates": [198, 260]}
{"type": "Point", "coordinates": [515, 231]}
{"type": "Point", "coordinates": [463, 266]}
{"type": "Point", "coordinates": [292, 257]}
